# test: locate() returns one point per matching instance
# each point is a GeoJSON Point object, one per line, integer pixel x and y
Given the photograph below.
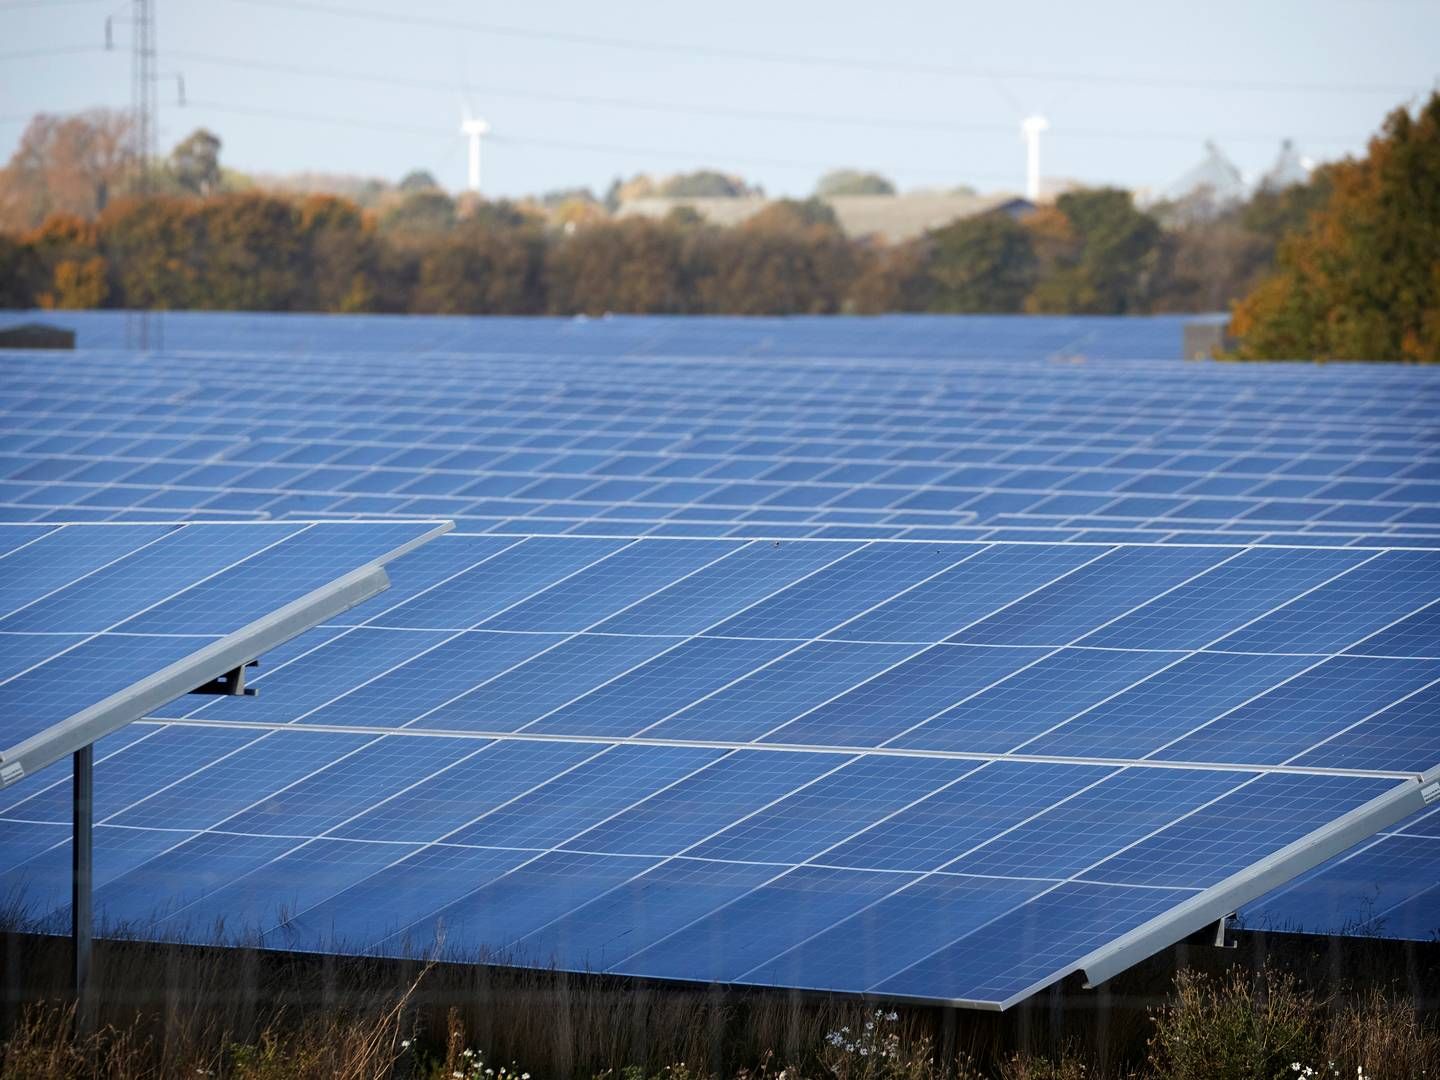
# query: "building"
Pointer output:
{"type": "Point", "coordinates": [891, 218]}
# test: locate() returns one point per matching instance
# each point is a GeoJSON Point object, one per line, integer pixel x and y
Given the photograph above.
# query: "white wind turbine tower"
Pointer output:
{"type": "Point", "coordinates": [474, 128]}
{"type": "Point", "coordinates": [1032, 126]}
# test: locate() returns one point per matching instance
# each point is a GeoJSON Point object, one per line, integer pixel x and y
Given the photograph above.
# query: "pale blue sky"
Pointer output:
{"type": "Point", "coordinates": [1131, 89]}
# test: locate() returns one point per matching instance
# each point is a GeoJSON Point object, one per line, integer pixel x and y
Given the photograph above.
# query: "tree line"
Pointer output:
{"type": "Point", "coordinates": [1346, 265]}
{"type": "Point", "coordinates": [1092, 251]}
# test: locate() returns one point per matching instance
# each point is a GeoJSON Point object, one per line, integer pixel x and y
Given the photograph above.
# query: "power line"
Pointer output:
{"type": "Point", "coordinates": [693, 109]}
{"type": "Point", "coordinates": [57, 50]}
{"type": "Point", "coordinates": [12, 5]}
{"type": "Point", "coordinates": [546, 144]}
{"type": "Point", "coordinates": [688, 109]}
{"type": "Point", "coordinates": [851, 63]}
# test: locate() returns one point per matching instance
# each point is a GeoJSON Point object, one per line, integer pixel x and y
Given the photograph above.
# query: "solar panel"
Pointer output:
{"type": "Point", "coordinates": [894, 555]}
{"type": "Point", "coordinates": [101, 623]}
{"type": "Point", "coordinates": [797, 443]}
{"type": "Point", "coordinates": [1387, 887]}
{"type": "Point", "coordinates": [943, 772]}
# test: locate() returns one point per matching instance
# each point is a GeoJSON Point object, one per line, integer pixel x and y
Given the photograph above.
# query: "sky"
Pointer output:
{"type": "Point", "coordinates": [929, 93]}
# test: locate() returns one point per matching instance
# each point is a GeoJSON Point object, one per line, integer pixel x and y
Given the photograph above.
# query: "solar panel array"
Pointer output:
{"type": "Point", "coordinates": [930, 678]}
{"type": "Point", "coordinates": [773, 447]}
{"type": "Point", "coordinates": [934, 771]}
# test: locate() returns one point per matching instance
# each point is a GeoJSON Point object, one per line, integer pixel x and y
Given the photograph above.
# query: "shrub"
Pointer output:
{"type": "Point", "coordinates": [1244, 1027]}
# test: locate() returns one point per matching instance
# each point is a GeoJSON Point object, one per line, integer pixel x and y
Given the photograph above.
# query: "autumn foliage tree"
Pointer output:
{"type": "Point", "coordinates": [635, 265]}
{"type": "Point", "coordinates": [791, 258]}
{"type": "Point", "coordinates": [1361, 280]}
{"type": "Point", "coordinates": [66, 165]}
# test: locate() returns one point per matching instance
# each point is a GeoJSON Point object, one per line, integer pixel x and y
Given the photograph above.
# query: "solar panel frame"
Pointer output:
{"type": "Point", "coordinates": [229, 653]}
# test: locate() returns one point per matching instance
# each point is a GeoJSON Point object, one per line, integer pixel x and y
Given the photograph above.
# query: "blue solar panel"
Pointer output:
{"type": "Point", "coordinates": [888, 660]}
{"type": "Point", "coordinates": [721, 802]}
{"type": "Point", "coordinates": [901, 424]}
{"type": "Point", "coordinates": [90, 611]}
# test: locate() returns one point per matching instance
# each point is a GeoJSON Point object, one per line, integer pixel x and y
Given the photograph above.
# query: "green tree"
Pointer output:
{"type": "Point", "coordinates": [195, 163]}
{"type": "Point", "coordinates": [1109, 266]}
{"type": "Point", "coordinates": [561, 196]}
{"type": "Point", "coordinates": [426, 210]}
{"type": "Point", "coordinates": [705, 183]}
{"type": "Point", "coordinates": [984, 263]}
{"type": "Point", "coordinates": [1361, 280]}
{"type": "Point", "coordinates": [418, 180]}
{"type": "Point", "coordinates": [19, 272]}
{"type": "Point", "coordinates": [1275, 214]}
{"type": "Point", "coordinates": [853, 182]}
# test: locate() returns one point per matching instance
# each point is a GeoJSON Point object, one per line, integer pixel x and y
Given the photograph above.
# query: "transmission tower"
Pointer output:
{"type": "Point", "coordinates": [144, 329]}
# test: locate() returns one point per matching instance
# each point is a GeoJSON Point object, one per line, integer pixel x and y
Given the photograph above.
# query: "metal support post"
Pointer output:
{"type": "Point", "coordinates": [82, 852]}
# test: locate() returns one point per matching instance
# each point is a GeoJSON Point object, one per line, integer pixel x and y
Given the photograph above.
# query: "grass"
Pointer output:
{"type": "Point", "coordinates": [182, 1011]}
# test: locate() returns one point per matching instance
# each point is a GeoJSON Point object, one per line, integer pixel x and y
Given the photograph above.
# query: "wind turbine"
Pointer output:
{"type": "Point", "coordinates": [474, 128]}
{"type": "Point", "coordinates": [1032, 126]}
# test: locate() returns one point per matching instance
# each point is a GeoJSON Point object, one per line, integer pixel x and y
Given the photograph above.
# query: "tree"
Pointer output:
{"type": "Point", "coordinates": [891, 279]}
{"type": "Point", "coordinates": [853, 182]}
{"type": "Point", "coordinates": [1208, 266]}
{"type": "Point", "coordinates": [985, 263]}
{"type": "Point", "coordinates": [71, 165]}
{"type": "Point", "coordinates": [632, 265]}
{"type": "Point", "coordinates": [1107, 266]}
{"type": "Point", "coordinates": [337, 248]}
{"type": "Point", "coordinates": [19, 272]}
{"type": "Point", "coordinates": [1361, 281]}
{"type": "Point", "coordinates": [790, 258]}
{"type": "Point", "coordinates": [566, 196]}
{"type": "Point", "coordinates": [705, 183]}
{"type": "Point", "coordinates": [483, 271]}
{"type": "Point", "coordinates": [80, 284]}
{"type": "Point", "coordinates": [69, 271]}
{"type": "Point", "coordinates": [195, 163]}
{"type": "Point", "coordinates": [427, 210]}
{"type": "Point", "coordinates": [794, 214]}
{"type": "Point", "coordinates": [418, 180]}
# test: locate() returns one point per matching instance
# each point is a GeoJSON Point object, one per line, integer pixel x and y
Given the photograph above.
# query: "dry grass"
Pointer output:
{"type": "Point", "coordinates": [1381, 1034]}
{"type": "Point", "coordinates": [178, 1011]}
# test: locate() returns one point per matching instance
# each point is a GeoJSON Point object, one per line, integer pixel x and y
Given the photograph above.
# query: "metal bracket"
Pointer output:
{"type": "Point", "coordinates": [231, 684]}
{"type": "Point", "coordinates": [1222, 929]}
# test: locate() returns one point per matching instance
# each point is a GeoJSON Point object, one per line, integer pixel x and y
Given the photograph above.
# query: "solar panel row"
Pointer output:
{"type": "Point", "coordinates": [664, 447]}
{"type": "Point", "coordinates": [903, 337]}
{"type": "Point", "coordinates": [721, 760]}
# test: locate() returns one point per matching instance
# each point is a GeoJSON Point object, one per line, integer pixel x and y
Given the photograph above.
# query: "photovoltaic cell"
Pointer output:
{"type": "Point", "coordinates": [120, 604]}
{"type": "Point", "coordinates": [743, 735]}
